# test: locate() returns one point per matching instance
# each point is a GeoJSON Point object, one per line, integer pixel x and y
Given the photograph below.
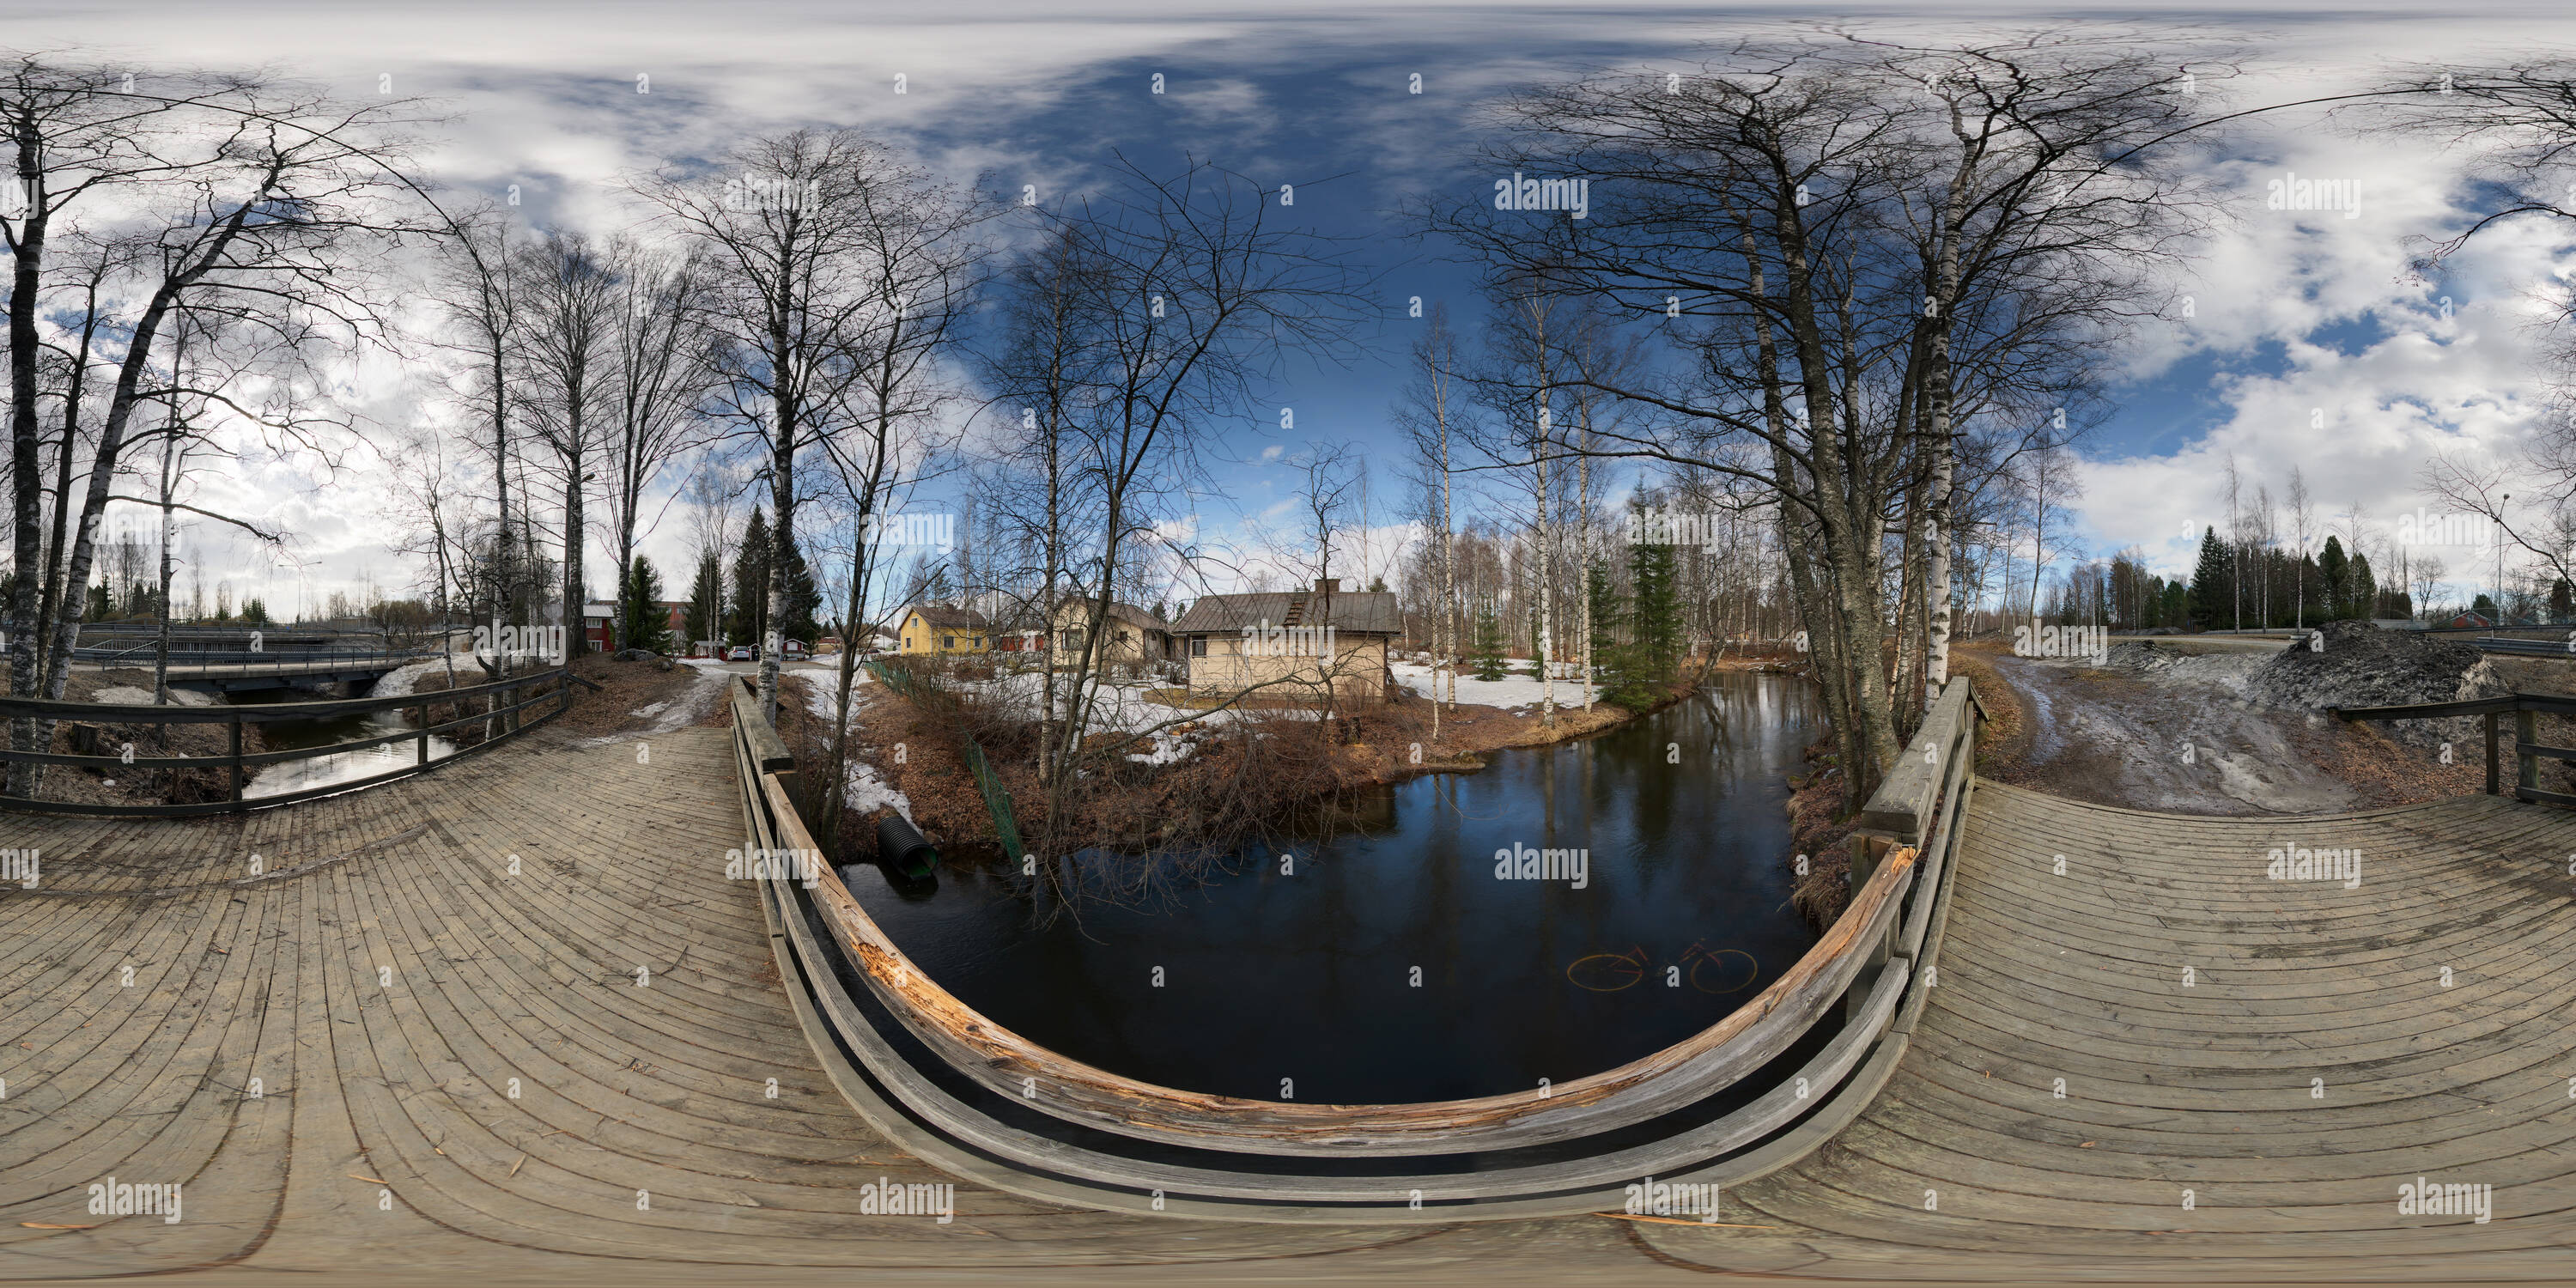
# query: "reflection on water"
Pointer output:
{"type": "Point", "coordinates": [340, 767]}
{"type": "Point", "coordinates": [1389, 961]}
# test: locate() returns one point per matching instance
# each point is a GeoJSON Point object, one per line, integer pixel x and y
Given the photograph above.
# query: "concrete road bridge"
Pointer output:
{"type": "Point", "coordinates": [233, 671]}
{"type": "Point", "coordinates": [511, 1019]}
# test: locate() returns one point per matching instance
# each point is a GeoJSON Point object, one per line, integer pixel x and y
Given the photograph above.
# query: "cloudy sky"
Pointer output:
{"type": "Point", "coordinates": [2310, 344]}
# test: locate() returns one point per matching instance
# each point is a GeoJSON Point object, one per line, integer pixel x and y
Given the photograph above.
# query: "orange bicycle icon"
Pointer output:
{"type": "Point", "coordinates": [1706, 969]}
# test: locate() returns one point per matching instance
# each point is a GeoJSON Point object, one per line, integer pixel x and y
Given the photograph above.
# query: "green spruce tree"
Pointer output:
{"type": "Point", "coordinates": [705, 618]}
{"type": "Point", "coordinates": [1488, 654]}
{"type": "Point", "coordinates": [2213, 592]}
{"type": "Point", "coordinates": [646, 625]}
{"type": "Point", "coordinates": [749, 615]}
{"type": "Point", "coordinates": [1613, 660]}
{"type": "Point", "coordinates": [803, 601]}
{"type": "Point", "coordinates": [2334, 575]}
{"type": "Point", "coordinates": [1656, 622]}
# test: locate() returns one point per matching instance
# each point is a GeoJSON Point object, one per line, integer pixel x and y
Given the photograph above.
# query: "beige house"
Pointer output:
{"type": "Point", "coordinates": [1132, 635]}
{"type": "Point", "coordinates": [935, 629]}
{"type": "Point", "coordinates": [1292, 644]}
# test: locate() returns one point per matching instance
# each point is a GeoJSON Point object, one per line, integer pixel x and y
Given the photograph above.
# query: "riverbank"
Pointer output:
{"type": "Point", "coordinates": [1229, 770]}
{"type": "Point", "coordinates": [132, 786]}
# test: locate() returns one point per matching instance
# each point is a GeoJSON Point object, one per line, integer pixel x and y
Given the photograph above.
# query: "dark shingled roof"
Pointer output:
{"type": "Point", "coordinates": [1368, 611]}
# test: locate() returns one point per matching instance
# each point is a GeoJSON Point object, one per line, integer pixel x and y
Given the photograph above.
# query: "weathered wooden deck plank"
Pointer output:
{"type": "Point", "coordinates": [2207, 1088]}
{"type": "Point", "coordinates": [661, 1089]}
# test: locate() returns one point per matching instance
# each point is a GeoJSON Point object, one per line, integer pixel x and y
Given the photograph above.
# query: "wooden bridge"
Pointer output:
{"type": "Point", "coordinates": [512, 1017]}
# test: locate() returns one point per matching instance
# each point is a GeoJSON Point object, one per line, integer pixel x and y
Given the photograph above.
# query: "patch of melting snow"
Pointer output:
{"type": "Point", "coordinates": [671, 714]}
{"type": "Point", "coordinates": [397, 683]}
{"type": "Point", "coordinates": [862, 788]}
{"type": "Point", "coordinates": [127, 695]}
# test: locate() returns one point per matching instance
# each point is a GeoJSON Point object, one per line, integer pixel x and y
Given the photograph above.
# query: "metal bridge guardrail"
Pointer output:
{"type": "Point", "coordinates": [249, 661]}
{"type": "Point", "coordinates": [865, 1004]}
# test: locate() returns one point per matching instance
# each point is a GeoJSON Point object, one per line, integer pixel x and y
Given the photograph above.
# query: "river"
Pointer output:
{"type": "Point", "coordinates": [347, 766]}
{"type": "Point", "coordinates": [1387, 961]}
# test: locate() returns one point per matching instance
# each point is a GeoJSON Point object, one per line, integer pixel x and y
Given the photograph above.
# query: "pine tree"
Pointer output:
{"type": "Point", "coordinates": [2211, 592]}
{"type": "Point", "coordinates": [2562, 601]}
{"type": "Point", "coordinates": [2484, 607]}
{"type": "Point", "coordinates": [1488, 655]}
{"type": "Point", "coordinates": [646, 624]}
{"type": "Point", "coordinates": [2361, 589]}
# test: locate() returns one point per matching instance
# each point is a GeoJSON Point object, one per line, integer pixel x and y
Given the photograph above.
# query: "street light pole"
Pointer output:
{"type": "Point", "coordinates": [2498, 619]}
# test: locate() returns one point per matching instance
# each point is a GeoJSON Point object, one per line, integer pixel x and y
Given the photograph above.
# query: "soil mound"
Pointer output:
{"type": "Point", "coordinates": [2360, 665]}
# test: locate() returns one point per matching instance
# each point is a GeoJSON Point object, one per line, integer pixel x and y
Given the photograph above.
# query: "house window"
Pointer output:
{"type": "Point", "coordinates": [947, 642]}
{"type": "Point", "coordinates": [1198, 646]}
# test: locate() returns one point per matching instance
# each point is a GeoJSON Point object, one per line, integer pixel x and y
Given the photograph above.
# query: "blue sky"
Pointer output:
{"type": "Point", "coordinates": [2309, 345]}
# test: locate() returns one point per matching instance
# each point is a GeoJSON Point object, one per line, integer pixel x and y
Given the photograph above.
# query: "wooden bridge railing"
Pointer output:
{"type": "Point", "coordinates": [2526, 710]}
{"type": "Point", "coordinates": [549, 687]}
{"type": "Point", "coordinates": [1867, 959]}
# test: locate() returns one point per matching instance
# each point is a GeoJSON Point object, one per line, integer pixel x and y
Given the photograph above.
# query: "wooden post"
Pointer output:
{"type": "Point", "coordinates": [1867, 850]}
{"type": "Point", "coordinates": [2495, 780]}
{"type": "Point", "coordinates": [237, 755]}
{"type": "Point", "coordinates": [424, 733]}
{"type": "Point", "coordinates": [2526, 766]}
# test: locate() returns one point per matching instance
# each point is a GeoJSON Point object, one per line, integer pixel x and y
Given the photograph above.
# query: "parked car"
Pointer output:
{"type": "Point", "coordinates": [739, 653]}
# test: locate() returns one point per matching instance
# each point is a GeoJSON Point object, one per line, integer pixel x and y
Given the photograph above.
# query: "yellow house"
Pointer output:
{"type": "Point", "coordinates": [933, 629]}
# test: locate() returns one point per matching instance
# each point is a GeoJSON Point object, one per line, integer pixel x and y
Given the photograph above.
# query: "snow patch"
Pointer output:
{"type": "Point", "coordinates": [126, 695]}
{"type": "Point", "coordinates": [863, 790]}
{"type": "Point", "coordinates": [399, 682]}
{"type": "Point", "coordinates": [1518, 693]}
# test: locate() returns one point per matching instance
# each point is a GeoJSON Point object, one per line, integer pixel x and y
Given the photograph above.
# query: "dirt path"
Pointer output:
{"type": "Point", "coordinates": [2189, 745]}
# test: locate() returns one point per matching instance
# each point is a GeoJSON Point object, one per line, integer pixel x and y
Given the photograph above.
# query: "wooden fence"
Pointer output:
{"type": "Point", "coordinates": [947, 1083]}
{"type": "Point", "coordinates": [552, 689]}
{"type": "Point", "coordinates": [2528, 752]}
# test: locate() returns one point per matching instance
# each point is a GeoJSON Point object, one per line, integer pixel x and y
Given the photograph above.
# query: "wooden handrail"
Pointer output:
{"type": "Point", "coordinates": [2528, 751]}
{"type": "Point", "coordinates": [1642, 1089]}
{"type": "Point", "coordinates": [331, 709]}
{"type": "Point", "coordinates": [235, 760]}
{"type": "Point", "coordinates": [1905, 798]}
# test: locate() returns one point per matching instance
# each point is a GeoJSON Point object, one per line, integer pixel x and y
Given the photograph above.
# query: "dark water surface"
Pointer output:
{"type": "Point", "coordinates": [347, 766]}
{"type": "Point", "coordinates": [1310, 976]}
